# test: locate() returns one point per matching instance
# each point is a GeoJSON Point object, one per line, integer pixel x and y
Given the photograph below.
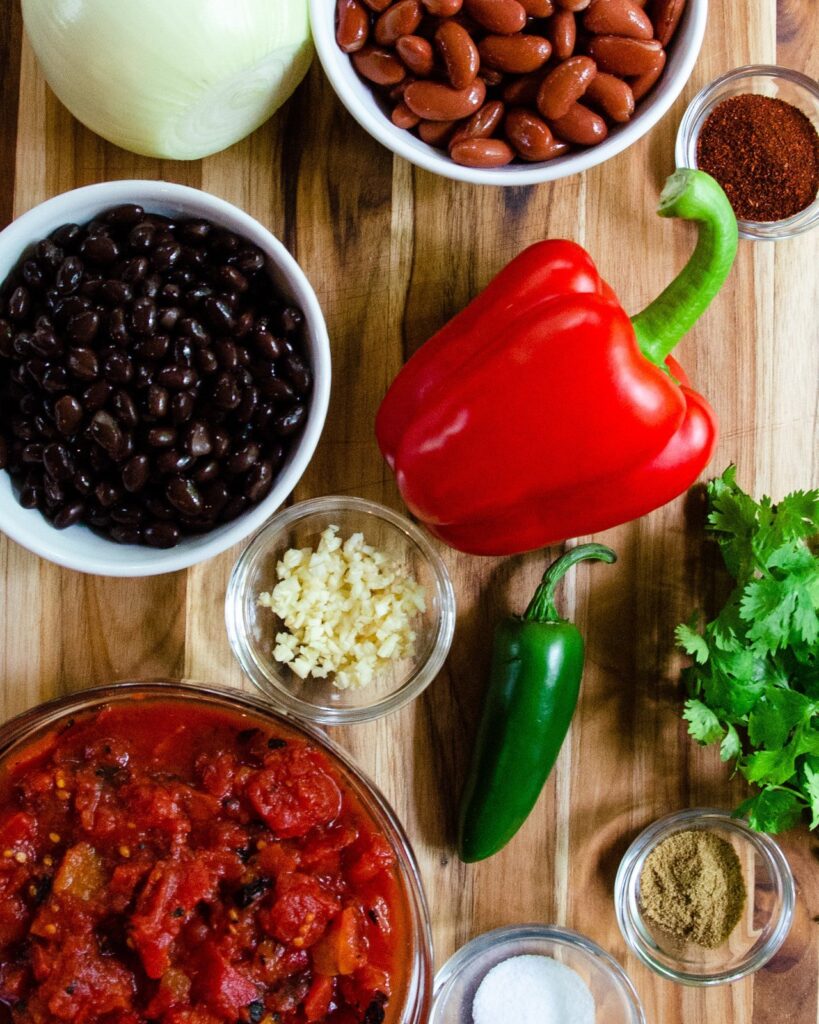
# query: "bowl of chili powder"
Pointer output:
{"type": "Point", "coordinates": [183, 855]}
{"type": "Point", "coordinates": [756, 130]}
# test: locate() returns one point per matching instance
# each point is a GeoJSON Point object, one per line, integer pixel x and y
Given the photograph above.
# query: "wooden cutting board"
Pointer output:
{"type": "Point", "coordinates": [393, 252]}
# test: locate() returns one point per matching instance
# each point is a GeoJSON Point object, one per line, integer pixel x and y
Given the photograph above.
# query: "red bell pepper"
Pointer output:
{"type": "Point", "coordinates": [541, 412]}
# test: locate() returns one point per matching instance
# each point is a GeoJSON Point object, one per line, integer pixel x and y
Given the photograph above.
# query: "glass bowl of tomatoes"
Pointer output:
{"type": "Point", "coordinates": [182, 854]}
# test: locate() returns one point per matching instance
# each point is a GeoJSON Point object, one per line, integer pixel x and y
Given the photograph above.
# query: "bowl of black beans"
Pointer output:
{"type": "Point", "coordinates": [164, 377]}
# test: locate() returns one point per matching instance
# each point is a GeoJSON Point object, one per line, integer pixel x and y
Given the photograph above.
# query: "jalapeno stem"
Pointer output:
{"type": "Point", "coordinates": [691, 195]}
{"type": "Point", "coordinates": [542, 606]}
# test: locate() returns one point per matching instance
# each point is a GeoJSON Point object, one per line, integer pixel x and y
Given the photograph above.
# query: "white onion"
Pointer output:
{"type": "Point", "coordinates": [179, 79]}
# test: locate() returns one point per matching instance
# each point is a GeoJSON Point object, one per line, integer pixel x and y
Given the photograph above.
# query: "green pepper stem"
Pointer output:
{"type": "Point", "coordinates": [542, 606]}
{"type": "Point", "coordinates": [692, 195]}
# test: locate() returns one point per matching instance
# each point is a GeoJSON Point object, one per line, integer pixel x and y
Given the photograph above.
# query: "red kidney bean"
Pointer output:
{"type": "Point", "coordinates": [573, 5]}
{"type": "Point", "coordinates": [665, 15]}
{"type": "Point", "coordinates": [491, 76]}
{"type": "Point", "coordinates": [645, 82]}
{"type": "Point", "coordinates": [416, 53]}
{"type": "Point", "coordinates": [618, 55]}
{"type": "Point", "coordinates": [618, 18]}
{"type": "Point", "coordinates": [503, 17]}
{"type": "Point", "coordinates": [401, 19]}
{"type": "Point", "coordinates": [612, 95]}
{"type": "Point", "coordinates": [482, 124]}
{"type": "Point", "coordinates": [432, 101]}
{"type": "Point", "coordinates": [530, 136]}
{"type": "Point", "coordinates": [378, 66]}
{"type": "Point", "coordinates": [482, 153]}
{"type": "Point", "coordinates": [523, 90]}
{"type": "Point", "coordinates": [436, 133]}
{"type": "Point", "coordinates": [538, 8]}
{"type": "Point", "coordinates": [518, 54]}
{"type": "Point", "coordinates": [564, 86]}
{"type": "Point", "coordinates": [443, 8]}
{"type": "Point", "coordinates": [459, 54]}
{"type": "Point", "coordinates": [403, 117]}
{"type": "Point", "coordinates": [580, 125]}
{"type": "Point", "coordinates": [561, 31]}
{"type": "Point", "coordinates": [378, 5]}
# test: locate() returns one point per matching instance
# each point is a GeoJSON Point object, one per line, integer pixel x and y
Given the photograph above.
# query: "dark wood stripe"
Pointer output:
{"type": "Point", "coordinates": [11, 35]}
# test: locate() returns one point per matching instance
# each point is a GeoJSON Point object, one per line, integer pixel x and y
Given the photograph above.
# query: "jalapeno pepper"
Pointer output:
{"type": "Point", "coordinates": [537, 665]}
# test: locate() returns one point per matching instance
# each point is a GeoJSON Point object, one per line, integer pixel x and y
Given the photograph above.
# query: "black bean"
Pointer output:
{"type": "Point", "coordinates": [57, 462]}
{"type": "Point", "coordinates": [169, 318]}
{"type": "Point", "coordinates": [116, 293]}
{"type": "Point", "coordinates": [117, 327]}
{"type": "Point", "coordinates": [161, 535]}
{"type": "Point", "coordinates": [226, 394]}
{"type": "Point", "coordinates": [125, 534]}
{"type": "Point", "coordinates": [268, 346]}
{"type": "Point", "coordinates": [69, 275]}
{"type": "Point", "coordinates": [150, 286]}
{"type": "Point", "coordinates": [250, 261]}
{"type": "Point", "coordinates": [49, 254]}
{"type": "Point", "coordinates": [33, 275]}
{"type": "Point", "coordinates": [227, 354]}
{"type": "Point", "coordinates": [135, 473]}
{"type": "Point", "coordinates": [207, 471]}
{"type": "Point", "coordinates": [234, 508]}
{"type": "Point", "coordinates": [69, 515]}
{"type": "Point", "coordinates": [292, 319]}
{"type": "Point", "coordinates": [82, 329]}
{"type": "Point", "coordinates": [118, 368]}
{"type": "Point", "coordinates": [99, 249]}
{"type": "Point", "coordinates": [290, 421]}
{"type": "Point", "coordinates": [207, 361]}
{"type": "Point", "coordinates": [55, 380]}
{"type": "Point", "coordinates": [125, 409]}
{"type": "Point", "coordinates": [220, 439]}
{"type": "Point", "coordinates": [107, 493]}
{"type": "Point", "coordinates": [195, 231]}
{"type": "Point", "coordinates": [4, 452]}
{"type": "Point", "coordinates": [82, 363]}
{"type": "Point", "coordinates": [182, 406]}
{"type": "Point", "coordinates": [134, 269]}
{"type": "Point", "coordinates": [143, 316]}
{"type": "Point", "coordinates": [143, 376]}
{"type": "Point", "coordinates": [105, 430]}
{"type": "Point", "coordinates": [33, 453]}
{"type": "Point", "coordinates": [275, 387]}
{"type": "Point", "coordinates": [67, 414]}
{"type": "Point", "coordinates": [197, 439]}
{"type": "Point", "coordinates": [141, 236]}
{"type": "Point", "coordinates": [161, 437]}
{"type": "Point", "coordinates": [20, 303]}
{"type": "Point", "coordinates": [219, 314]}
{"type": "Point", "coordinates": [183, 495]}
{"type": "Point", "coordinates": [173, 462]}
{"type": "Point", "coordinates": [157, 401]}
{"type": "Point", "coordinates": [95, 396]}
{"type": "Point", "coordinates": [243, 458]}
{"type": "Point", "coordinates": [165, 256]}
{"type": "Point", "coordinates": [182, 352]}
{"type": "Point", "coordinates": [192, 327]}
{"type": "Point", "coordinates": [178, 378]}
{"type": "Point", "coordinates": [68, 237]}
{"type": "Point", "coordinates": [232, 279]}
{"type": "Point", "coordinates": [124, 215]}
{"type": "Point", "coordinates": [259, 481]}
{"type": "Point", "coordinates": [83, 481]}
{"type": "Point", "coordinates": [127, 515]}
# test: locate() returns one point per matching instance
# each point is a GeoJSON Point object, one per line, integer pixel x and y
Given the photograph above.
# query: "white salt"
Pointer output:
{"type": "Point", "coordinates": [533, 990]}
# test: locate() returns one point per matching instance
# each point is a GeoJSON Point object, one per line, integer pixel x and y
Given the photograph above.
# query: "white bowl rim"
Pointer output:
{"type": "Point", "coordinates": [135, 560]}
{"type": "Point", "coordinates": [401, 142]}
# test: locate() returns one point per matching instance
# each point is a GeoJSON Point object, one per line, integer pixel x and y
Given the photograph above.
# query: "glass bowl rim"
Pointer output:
{"type": "Point", "coordinates": [625, 900]}
{"type": "Point", "coordinates": [18, 729]}
{"type": "Point", "coordinates": [685, 147]}
{"type": "Point", "coordinates": [561, 936]}
{"type": "Point", "coordinates": [423, 674]}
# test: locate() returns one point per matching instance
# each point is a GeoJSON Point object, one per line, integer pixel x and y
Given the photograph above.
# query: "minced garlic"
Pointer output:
{"type": "Point", "coordinates": [347, 609]}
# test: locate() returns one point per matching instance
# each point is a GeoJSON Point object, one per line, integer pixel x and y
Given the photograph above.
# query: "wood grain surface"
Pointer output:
{"type": "Point", "coordinates": [392, 253]}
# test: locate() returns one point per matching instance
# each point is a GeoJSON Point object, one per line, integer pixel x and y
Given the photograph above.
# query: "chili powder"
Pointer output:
{"type": "Point", "coordinates": [765, 154]}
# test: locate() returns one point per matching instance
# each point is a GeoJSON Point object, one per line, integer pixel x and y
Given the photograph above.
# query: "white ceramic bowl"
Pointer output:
{"type": "Point", "coordinates": [79, 547]}
{"type": "Point", "coordinates": [360, 100]}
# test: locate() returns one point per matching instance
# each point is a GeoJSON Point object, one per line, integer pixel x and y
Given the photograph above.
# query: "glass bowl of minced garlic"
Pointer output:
{"type": "Point", "coordinates": [702, 899]}
{"type": "Point", "coordinates": [340, 610]}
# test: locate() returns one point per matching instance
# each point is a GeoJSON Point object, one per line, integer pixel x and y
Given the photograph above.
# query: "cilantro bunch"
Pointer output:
{"type": "Point", "coordinates": [754, 684]}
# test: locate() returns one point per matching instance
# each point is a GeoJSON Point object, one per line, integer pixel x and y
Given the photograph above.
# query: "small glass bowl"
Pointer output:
{"type": "Point", "coordinates": [763, 80]}
{"type": "Point", "coordinates": [458, 980]}
{"type": "Point", "coordinates": [761, 930]}
{"type": "Point", "coordinates": [252, 629]}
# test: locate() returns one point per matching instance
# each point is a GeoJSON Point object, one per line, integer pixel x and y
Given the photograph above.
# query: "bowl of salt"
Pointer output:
{"type": "Point", "coordinates": [534, 974]}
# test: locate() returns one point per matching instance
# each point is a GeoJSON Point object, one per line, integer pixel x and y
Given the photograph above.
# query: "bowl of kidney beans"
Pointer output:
{"type": "Point", "coordinates": [508, 92]}
{"type": "Point", "coordinates": [164, 377]}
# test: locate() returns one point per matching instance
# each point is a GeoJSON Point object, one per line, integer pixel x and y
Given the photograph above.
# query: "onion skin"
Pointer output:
{"type": "Point", "coordinates": [174, 79]}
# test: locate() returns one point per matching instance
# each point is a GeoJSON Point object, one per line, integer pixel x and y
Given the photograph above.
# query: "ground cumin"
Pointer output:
{"type": "Point", "coordinates": [765, 154]}
{"type": "Point", "coordinates": [692, 887]}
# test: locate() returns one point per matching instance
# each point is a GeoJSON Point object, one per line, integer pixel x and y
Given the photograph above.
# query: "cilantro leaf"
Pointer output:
{"type": "Point", "coordinates": [703, 724]}
{"type": "Point", "coordinates": [754, 682]}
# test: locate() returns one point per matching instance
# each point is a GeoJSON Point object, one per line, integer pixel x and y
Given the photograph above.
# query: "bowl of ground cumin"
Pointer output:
{"type": "Point", "coordinates": [702, 899]}
{"type": "Point", "coordinates": [756, 130]}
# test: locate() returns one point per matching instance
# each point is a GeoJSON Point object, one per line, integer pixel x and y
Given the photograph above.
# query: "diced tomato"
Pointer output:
{"type": "Point", "coordinates": [278, 859]}
{"type": "Point", "coordinates": [224, 988]}
{"type": "Point", "coordinates": [317, 1004]}
{"type": "Point", "coordinates": [369, 857]}
{"type": "Point", "coordinates": [14, 918]}
{"type": "Point", "coordinates": [343, 947]}
{"type": "Point", "coordinates": [174, 990]}
{"type": "Point", "coordinates": [172, 890]}
{"type": "Point", "coordinates": [322, 854]}
{"type": "Point", "coordinates": [217, 773]}
{"type": "Point", "coordinates": [17, 827]}
{"type": "Point", "coordinates": [293, 792]}
{"type": "Point", "coordinates": [301, 910]}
